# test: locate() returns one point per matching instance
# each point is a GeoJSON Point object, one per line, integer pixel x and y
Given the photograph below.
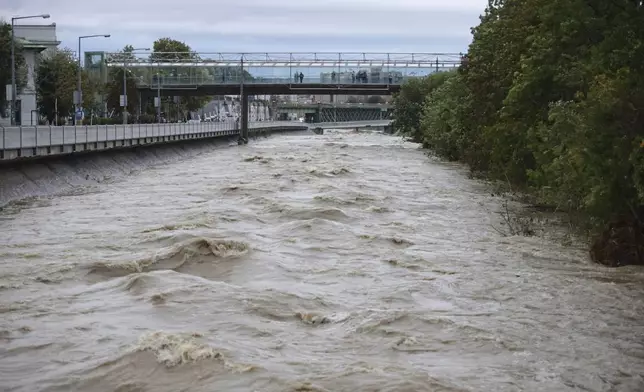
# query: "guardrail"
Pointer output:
{"type": "Point", "coordinates": [47, 136]}
{"type": "Point", "coordinates": [34, 141]}
{"type": "Point", "coordinates": [39, 141]}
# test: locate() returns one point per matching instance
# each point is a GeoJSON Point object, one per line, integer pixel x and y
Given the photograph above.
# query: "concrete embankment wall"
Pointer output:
{"type": "Point", "coordinates": [65, 174]}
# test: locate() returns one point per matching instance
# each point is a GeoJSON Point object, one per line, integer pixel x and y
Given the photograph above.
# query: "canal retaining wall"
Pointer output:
{"type": "Point", "coordinates": [71, 171]}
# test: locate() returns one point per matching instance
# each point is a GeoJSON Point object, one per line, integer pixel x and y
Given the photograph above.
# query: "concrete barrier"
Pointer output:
{"type": "Point", "coordinates": [39, 141]}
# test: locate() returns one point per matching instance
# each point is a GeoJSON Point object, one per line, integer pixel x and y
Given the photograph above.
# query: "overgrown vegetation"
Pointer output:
{"type": "Point", "coordinates": [551, 100]}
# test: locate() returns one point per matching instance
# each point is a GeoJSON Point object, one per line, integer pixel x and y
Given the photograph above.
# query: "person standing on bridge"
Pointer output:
{"type": "Point", "coordinates": [333, 76]}
{"type": "Point", "coordinates": [301, 77]}
{"type": "Point", "coordinates": [296, 76]}
{"type": "Point", "coordinates": [353, 76]}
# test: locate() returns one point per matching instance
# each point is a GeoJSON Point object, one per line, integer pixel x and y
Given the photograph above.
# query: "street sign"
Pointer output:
{"type": "Point", "coordinates": [9, 91]}
{"type": "Point", "coordinates": [123, 100]}
{"type": "Point", "coordinates": [156, 102]}
{"type": "Point", "coordinates": [77, 97]}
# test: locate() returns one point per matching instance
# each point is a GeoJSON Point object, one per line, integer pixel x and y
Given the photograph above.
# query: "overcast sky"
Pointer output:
{"type": "Point", "coordinates": [262, 25]}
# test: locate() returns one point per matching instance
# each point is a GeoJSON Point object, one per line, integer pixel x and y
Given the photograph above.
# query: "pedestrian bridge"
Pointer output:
{"type": "Point", "coordinates": [276, 73]}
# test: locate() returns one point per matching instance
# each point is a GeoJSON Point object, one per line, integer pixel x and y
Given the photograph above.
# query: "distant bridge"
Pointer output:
{"type": "Point", "coordinates": [338, 112]}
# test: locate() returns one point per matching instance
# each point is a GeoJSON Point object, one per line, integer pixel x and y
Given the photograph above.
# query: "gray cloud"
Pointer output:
{"type": "Point", "coordinates": [259, 25]}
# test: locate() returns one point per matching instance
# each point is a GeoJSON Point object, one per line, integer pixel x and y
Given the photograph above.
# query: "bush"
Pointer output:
{"type": "Point", "coordinates": [550, 101]}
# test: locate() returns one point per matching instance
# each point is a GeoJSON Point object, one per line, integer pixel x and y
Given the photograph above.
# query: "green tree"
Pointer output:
{"type": "Point", "coordinates": [170, 50]}
{"type": "Point", "coordinates": [56, 81]}
{"type": "Point", "coordinates": [114, 88]}
{"type": "Point", "coordinates": [228, 74]}
{"type": "Point", "coordinates": [5, 64]}
{"type": "Point", "coordinates": [550, 99]}
{"type": "Point", "coordinates": [408, 104]}
{"type": "Point", "coordinates": [442, 121]}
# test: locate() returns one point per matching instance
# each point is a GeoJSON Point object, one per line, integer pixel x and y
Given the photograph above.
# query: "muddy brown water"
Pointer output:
{"type": "Point", "coordinates": [342, 262]}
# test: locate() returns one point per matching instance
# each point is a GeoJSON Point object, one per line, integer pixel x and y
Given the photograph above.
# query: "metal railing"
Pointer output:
{"type": "Point", "coordinates": [20, 137]}
{"type": "Point", "coordinates": [25, 137]}
{"type": "Point", "coordinates": [282, 59]}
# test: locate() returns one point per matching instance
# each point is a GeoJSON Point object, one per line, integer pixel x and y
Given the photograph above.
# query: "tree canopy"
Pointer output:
{"type": "Point", "coordinates": [56, 82]}
{"type": "Point", "coordinates": [551, 99]}
{"type": "Point", "coordinates": [114, 87]}
{"type": "Point", "coordinates": [170, 49]}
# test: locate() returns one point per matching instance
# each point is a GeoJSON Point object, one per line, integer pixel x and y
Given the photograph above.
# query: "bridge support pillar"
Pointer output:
{"type": "Point", "coordinates": [243, 122]}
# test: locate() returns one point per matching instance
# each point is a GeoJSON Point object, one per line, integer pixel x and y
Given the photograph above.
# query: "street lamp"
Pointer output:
{"type": "Point", "coordinates": [124, 104]}
{"type": "Point", "coordinates": [13, 61]}
{"type": "Point", "coordinates": [78, 99]}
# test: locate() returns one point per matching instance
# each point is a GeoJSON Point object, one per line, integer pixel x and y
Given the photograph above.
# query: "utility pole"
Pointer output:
{"type": "Point", "coordinates": [13, 62]}
{"type": "Point", "coordinates": [158, 98]}
{"type": "Point", "coordinates": [124, 99]}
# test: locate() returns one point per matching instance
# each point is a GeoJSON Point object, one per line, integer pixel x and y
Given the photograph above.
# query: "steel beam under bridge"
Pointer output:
{"type": "Point", "coordinates": [270, 89]}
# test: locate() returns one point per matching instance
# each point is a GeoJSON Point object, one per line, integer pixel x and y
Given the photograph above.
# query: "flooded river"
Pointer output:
{"type": "Point", "coordinates": [342, 262]}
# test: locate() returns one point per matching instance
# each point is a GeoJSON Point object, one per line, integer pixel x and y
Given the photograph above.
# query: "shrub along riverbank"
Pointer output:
{"type": "Point", "coordinates": [549, 99]}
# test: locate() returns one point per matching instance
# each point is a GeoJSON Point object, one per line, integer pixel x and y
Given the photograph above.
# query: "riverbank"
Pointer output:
{"type": "Point", "coordinates": [561, 122]}
{"type": "Point", "coordinates": [21, 181]}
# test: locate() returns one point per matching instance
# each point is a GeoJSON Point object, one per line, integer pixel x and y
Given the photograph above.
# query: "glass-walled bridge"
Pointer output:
{"type": "Point", "coordinates": [278, 73]}
{"type": "Point", "coordinates": [247, 74]}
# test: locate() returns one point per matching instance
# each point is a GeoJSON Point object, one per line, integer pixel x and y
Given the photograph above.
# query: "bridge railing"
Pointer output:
{"type": "Point", "coordinates": [284, 59]}
{"type": "Point", "coordinates": [24, 137]}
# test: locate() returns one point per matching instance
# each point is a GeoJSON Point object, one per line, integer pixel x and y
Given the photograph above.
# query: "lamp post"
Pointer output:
{"type": "Point", "coordinates": [78, 99]}
{"type": "Point", "coordinates": [124, 104]}
{"type": "Point", "coordinates": [158, 97]}
{"type": "Point", "coordinates": [13, 61]}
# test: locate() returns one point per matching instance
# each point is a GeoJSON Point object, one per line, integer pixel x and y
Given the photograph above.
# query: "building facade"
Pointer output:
{"type": "Point", "coordinates": [35, 40]}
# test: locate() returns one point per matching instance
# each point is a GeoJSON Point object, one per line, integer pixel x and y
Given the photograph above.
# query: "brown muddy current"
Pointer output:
{"type": "Point", "coordinates": [343, 262]}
